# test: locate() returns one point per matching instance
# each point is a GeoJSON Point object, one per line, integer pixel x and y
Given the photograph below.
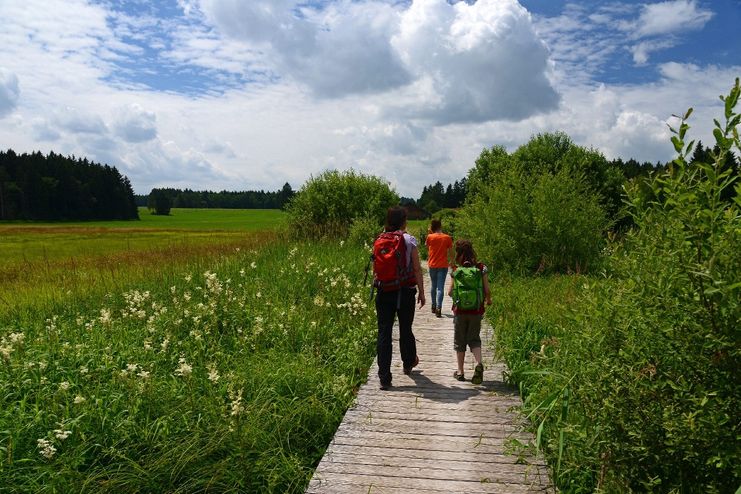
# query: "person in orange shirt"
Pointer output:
{"type": "Point", "coordinates": [440, 251]}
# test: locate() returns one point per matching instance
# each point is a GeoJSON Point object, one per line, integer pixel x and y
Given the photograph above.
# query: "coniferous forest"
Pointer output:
{"type": "Point", "coordinates": [55, 187]}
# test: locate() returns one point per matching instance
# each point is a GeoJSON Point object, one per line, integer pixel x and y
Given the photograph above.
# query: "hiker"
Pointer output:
{"type": "Point", "coordinates": [439, 251]}
{"type": "Point", "coordinates": [469, 289]}
{"type": "Point", "coordinates": [397, 278]}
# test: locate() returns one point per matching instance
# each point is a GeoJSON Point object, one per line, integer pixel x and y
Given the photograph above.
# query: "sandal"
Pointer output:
{"type": "Point", "coordinates": [459, 377]}
{"type": "Point", "coordinates": [478, 374]}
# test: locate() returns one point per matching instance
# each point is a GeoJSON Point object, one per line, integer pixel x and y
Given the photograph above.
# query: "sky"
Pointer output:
{"type": "Point", "coordinates": [251, 94]}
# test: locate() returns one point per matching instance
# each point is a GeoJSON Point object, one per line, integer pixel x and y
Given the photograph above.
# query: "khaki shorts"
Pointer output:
{"type": "Point", "coordinates": [467, 331]}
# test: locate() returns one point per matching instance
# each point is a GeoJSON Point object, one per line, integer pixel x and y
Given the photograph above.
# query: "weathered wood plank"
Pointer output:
{"type": "Point", "coordinates": [430, 432]}
{"type": "Point", "coordinates": [345, 483]}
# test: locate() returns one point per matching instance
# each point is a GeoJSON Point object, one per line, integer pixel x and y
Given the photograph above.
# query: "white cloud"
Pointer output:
{"type": "Point", "coordinates": [411, 92]}
{"type": "Point", "coordinates": [474, 62]}
{"type": "Point", "coordinates": [9, 92]}
{"type": "Point", "coordinates": [78, 121]}
{"type": "Point", "coordinates": [43, 130]}
{"type": "Point", "coordinates": [134, 124]}
{"type": "Point", "coordinates": [670, 17]}
{"type": "Point", "coordinates": [452, 63]}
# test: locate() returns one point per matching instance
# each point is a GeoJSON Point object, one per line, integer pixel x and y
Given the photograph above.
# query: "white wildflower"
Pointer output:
{"type": "Point", "coordinates": [16, 338]}
{"type": "Point", "coordinates": [105, 316]}
{"type": "Point", "coordinates": [236, 406]}
{"type": "Point", "coordinates": [253, 265]}
{"type": "Point", "coordinates": [143, 374]}
{"type": "Point", "coordinates": [64, 385]}
{"type": "Point", "coordinates": [47, 448]}
{"type": "Point", "coordinates": [213, 374]}
{"type": "Point", "coordinates": [184, 369]}
{"type": "Point", "coordinates": [79, 399]}
{"type": "Point", "coordinates": [61, 434]}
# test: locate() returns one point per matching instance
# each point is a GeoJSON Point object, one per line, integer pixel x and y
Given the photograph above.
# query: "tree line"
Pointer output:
{"type": "Point", "coordinates": [162, 199]}
{"type": "Point", "coordinates": [55, 187]}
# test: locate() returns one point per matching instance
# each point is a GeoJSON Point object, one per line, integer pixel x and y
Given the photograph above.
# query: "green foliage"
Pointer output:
{"type": "Point", "coordinates": [635, 388]}
{"type": "Point", "coordinates": [363, 231]}
{"type": "Point", "coordinates": [54, 187]}
{"type": "Point", "coordinates": [541, 222]}
{"type": "Point", "coordinates": [327, 205]}
{"type": "Point", "coordinates": [228, 379]}
{"type": "Point", "coordinates": [159, 202]}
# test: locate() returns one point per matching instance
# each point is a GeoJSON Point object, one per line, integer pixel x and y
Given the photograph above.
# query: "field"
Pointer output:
{"type": "Point", "coordinates": [41, 259]}
{"type": "Point", "coordinates": [210, 368]}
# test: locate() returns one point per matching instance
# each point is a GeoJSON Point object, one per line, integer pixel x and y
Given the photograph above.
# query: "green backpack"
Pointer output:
{"type": "Point", "coordinates": [468, 292]}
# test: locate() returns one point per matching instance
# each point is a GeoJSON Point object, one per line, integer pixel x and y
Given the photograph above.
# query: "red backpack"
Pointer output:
{"type": "Point", "coordinates": [391, 270]}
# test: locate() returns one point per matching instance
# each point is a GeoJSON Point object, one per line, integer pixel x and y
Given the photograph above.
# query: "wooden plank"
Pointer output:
{"type": "Point", "coordinates": [346, 483]}
{"type": "Point", "coordinates": [402, 453]}
{"type": "Point", "coordinates": [430, 432]}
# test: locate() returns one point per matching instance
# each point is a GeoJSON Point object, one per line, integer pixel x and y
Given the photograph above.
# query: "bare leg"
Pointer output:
{"type": "Point", "coordinates": [461, 358]}
{"type": "Point", "coordinates": [477, 354]}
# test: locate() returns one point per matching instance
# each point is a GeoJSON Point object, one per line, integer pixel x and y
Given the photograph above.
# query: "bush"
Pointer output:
{"type": "Point", "coordinates": [364, 231]}
{"type": "Point", "coordinates": [637, 389]}
{"type": "Point", "coordinates": [541, 223]}
{"type": "Point", "coordinates": [327, 205]}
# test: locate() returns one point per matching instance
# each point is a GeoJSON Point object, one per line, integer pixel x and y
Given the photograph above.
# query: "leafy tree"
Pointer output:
{"type": "Point", "coordinates": [328, 204]}
{"type": "Point", "coordinates": [545, 207]}
{"type": "Point", "coordinates": [160, 202]}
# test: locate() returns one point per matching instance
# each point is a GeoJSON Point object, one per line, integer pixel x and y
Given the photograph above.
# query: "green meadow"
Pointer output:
{"type": "Point", "coordinates": [45, 261]}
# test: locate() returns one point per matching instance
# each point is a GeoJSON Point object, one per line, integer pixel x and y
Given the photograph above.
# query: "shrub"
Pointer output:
{"type": "Point", "coordinates": [363, 231]}
{"type": "Point", "coordinates": [327, 205]}
{"type": "Point", "coordinates": [637, 389]}
{"type": "Point", "coordinates": [527, 223]}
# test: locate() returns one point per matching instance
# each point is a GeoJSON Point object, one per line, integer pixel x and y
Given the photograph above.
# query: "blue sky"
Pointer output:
{"type": "Point", "coordinates": [228, 94]}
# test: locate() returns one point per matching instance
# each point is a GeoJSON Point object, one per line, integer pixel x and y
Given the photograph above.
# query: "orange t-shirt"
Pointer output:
{"type": "Point", "coordinates": [437, 249]}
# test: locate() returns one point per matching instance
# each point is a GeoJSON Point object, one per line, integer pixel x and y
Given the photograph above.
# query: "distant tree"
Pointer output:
{"type": "Point", "coordinates": [54, 187]}
{"type": "Point", "coordinates": [160, 202]}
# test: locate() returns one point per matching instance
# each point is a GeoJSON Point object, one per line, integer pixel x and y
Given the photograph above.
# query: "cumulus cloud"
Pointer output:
{"type": "Point", "coordinates": [134, 124]}
{"type": "Point", "coordinates": [9, 92]}
{"type": "Point", "coordinates": [451, 63]}
{"type": "Point", "coordinates": [475, 62]}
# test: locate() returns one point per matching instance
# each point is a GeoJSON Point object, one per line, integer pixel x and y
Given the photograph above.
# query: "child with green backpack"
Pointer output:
{"type": "Point", "coordinates": [469, 291]}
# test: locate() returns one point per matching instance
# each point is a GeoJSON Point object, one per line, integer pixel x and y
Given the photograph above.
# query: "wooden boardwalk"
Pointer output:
{"type": "Point", "coordinates": [430, 433]}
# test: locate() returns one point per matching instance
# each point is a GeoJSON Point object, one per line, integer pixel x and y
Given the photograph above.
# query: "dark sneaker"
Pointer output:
{"type": "Point", "coordinates": [478, 374]}
{"type": "Point", "coordinates": [439, 312]}
{"type": "Point", "coordinates": [434, 309]}
{"type": "Point", "coordinates": [408, 370]}
{"type": "Point", "coordinates": [458, 376]}
{"type": "Point", "coordinates": [384, 385]}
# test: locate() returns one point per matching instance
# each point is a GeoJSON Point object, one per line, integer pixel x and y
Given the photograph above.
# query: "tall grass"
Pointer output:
{"type": "Point", "coordinates": [231, 378]}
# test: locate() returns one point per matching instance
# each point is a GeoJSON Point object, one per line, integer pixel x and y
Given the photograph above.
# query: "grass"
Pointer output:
{"type": "Point", "coordinates": [43, 262]}
{"type": "Point", "coordinates": [179, 219]}
{"type": "Point", "coordinates": [230, 375]}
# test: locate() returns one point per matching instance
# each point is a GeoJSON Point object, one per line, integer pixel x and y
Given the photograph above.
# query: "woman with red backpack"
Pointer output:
{"type": "Point", "coordinates": [398, 280]}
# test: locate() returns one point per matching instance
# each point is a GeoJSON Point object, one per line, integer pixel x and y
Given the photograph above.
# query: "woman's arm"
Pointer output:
{"type": "Point", "coordinates": [418, 275]}
{"type": "Point", "coordinates": [487, 292]}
